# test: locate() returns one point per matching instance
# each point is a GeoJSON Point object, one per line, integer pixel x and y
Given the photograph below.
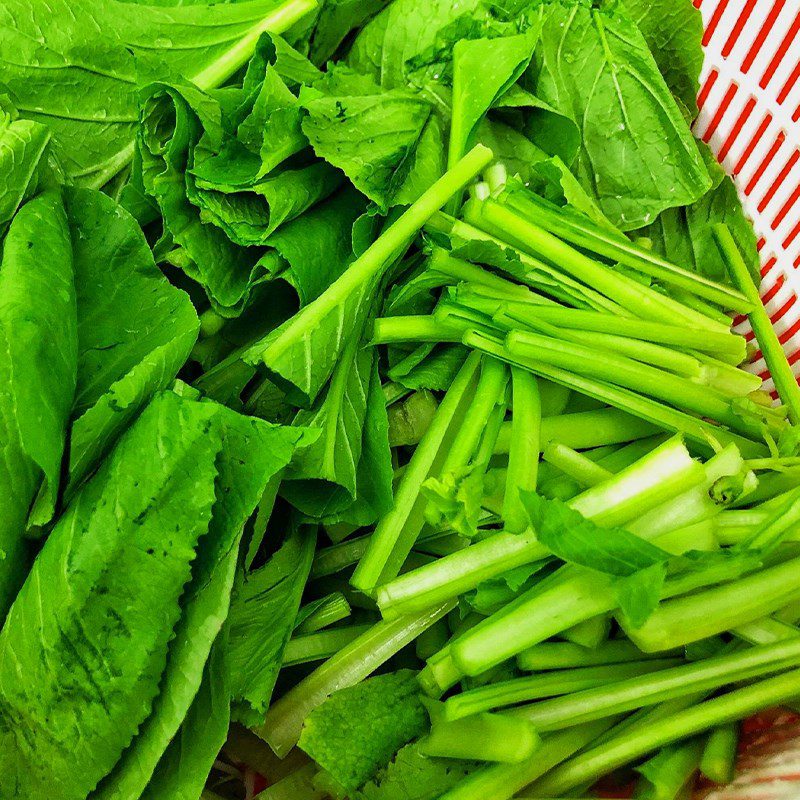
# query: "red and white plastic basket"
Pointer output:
{"type": "Point", "coordinates": [750, 116]}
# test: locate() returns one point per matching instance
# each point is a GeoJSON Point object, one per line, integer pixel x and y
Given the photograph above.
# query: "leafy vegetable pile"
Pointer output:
{"type": "Point", "coordinates": [370, 414]}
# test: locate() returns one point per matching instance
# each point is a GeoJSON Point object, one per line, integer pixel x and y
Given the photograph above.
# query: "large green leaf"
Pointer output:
{"type": "Point", "coordinates": [638, 156]}
{"type": "Point", "coordinates": [252, 453]}
{"type": "Point", "coordinates": [86, 642]}
{"type": "Point", "coordinates": [483, 70]}
{"type": "Point", "coordinates": [135, 330]}
{"type": "Point", "coordinates": [674, 31]}
{"type": "Point", "coordinates": [683, 235]}
{"type": "Point", "coordinates": [369, 133]}
{"type": "Point", "coordinates": [323, 477]}
{"type": "Point", "coordinates": [319, 245]}
{"type": "Point", "coordinates": [182, 772]}
{"type": "Point", "coordinates": [301, 354]}
{"type": "Point", "coordinates": [375, 473]}
{"type": "Point", "coordinates": [413, 42]}
{"type": "Point", "coordinates": [72, 64]}
{"type": "Point", "coordinates": [38, 352]}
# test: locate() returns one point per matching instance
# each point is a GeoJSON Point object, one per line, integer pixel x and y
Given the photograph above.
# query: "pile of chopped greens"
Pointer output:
{"type": "Point", "coordinates": [371, 418]}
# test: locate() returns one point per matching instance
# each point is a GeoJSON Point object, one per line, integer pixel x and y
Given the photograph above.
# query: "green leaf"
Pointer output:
{"type": "Point", "coordinates": [413, 43]}
{"type": "Point", "coordinates": [483, 70]}
{"type": "Point", "coordinates": [182, 772]}
{"type": "Point", "coordinates": [73, 64]}
{"type": "Point", "coordinates": [253, 452]}
{"type": "Point", "coordinates": [135, 330]}
{"type": "Point", "coordinates": [638, 594]}
{"type": "Point", "coordinates": [103, 599]}
{"type": "Point", "coordinates": [357, 730]}
{"type": "Point", "coordinates": [683, 235]}
{"type": "Point", "coordinates": [249, 215]}
{"type": "Point", "coordinates": [594, 66]}
{"type": "Point", "coordinates": [435, 370]}
{"type": "Point", "coordinates": [38, 355]}
{"type": "Point", "coordinates": [368, 133]}
{"type": "Point", "coordinates": [553, 180]}
{"type": "Point", "coordinates": [336, 19]}
{"type": "Point", "coordinates": [347, 472]}
{"type": "Point", "coordinates": [23, 146]}
{"type": "Point", "coordinates": [319, 245]}
{"type": "Point", "coordinates": [301, 354]}
{"type": "Point", "coordinates": [577, 540]}
{"type": "Point", "coordinates": [413, 776]}
{"type": "Point", "coordinates": [262, 618]}
{"type": "Point", "coordinates": [511, 147]}
{"type": "Point", "coordinates": [673, 30]}
{"type": "Point", "coordinates": [173, 120]}
{"type": "Point", "coordinates": [327, 470]}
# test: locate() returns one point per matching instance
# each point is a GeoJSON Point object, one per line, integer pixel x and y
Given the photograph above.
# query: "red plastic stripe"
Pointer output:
{"type": "Point", "coordinates": [762, 167]}
{"type": "Point", "coordinates": [761, 37]}
{"type": "Point", "coordinates": [723, 107]}
{"type": "Point", "coordinates": [737, 128]}
{"type": "Point", "coordinates": [778, 315]}
{"type": "Point", "coordinates": [738, 27]}
{"type": "Point", "coordinates": [790, 332]}
{"type": "Point", "coordinates": [714, 21]}
{"type": "Point", "coordinates": [768, 265]}
{"type": "Point", "coordinates": [793, 234]}
{"type": "Point", "coordinates": [707, 87]}
{"type": "Point", "coordinates": [794, 198]}
{"type": "Point", "coordinates": [790, 84]}
{"type": "Point", "coordinates": [760, 246]}
{"type": "Point", "coordinates": [780, 53]}
{"type": "Point", "coordinates": [751, 146]}
{"type": "Point", "coordinates": [778, 182]}
{"type": "Point", "coordinates": [773, 290]}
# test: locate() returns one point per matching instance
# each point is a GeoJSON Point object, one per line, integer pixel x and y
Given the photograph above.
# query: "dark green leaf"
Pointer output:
{"type": "Point", "coordinates": [38, 355]}
{"type": "Point", "coordinates": [135, 331]}
{"type": "Point", "coordinates": [638, 156]}
{"type": "Point", "coordinates": [262, 618]}
{"type": "Point", "coordinates": [103, 599]}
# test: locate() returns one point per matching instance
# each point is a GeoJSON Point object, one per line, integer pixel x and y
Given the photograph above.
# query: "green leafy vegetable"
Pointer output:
{"type": "Point", "coordinates": [23, 149]}
{"type": "Point", "coordinates": [154, 639]}
{"type": "Point", "coordinates": [674, 32]}
{"type": "Point", "coordinates": [35, 392]}
{"type": "Point", "coordinates": [595, 67]}
{"type": "Point", "coordinates": [86, 94]}
{"type": "Point", "coordinates": [262, 617]}
{"type": "Point", "coordinates": [121, 365]}
{"type": "Point", "coordinates": [357, 730]}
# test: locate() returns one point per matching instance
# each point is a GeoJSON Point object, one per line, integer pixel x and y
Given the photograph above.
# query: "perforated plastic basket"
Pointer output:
{"type": "Point", "coordinates": [750, 116]}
